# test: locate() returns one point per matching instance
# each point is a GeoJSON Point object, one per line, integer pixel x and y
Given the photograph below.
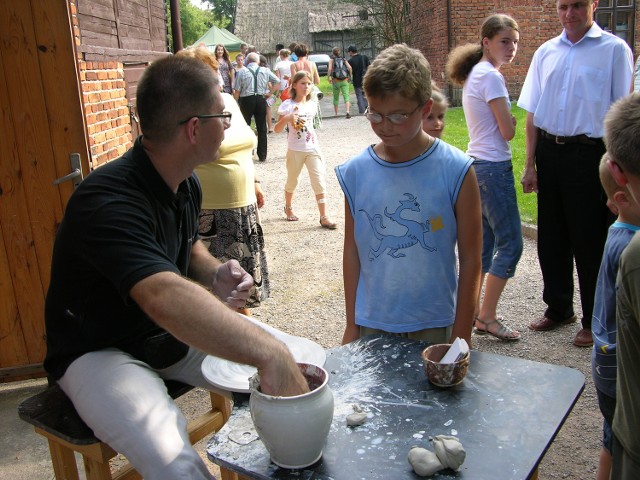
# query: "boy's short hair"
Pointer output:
{"type": "Point", "coordinates": [606, 178]}
{"type": "Point", "coordinates": [399, 69]}
{"type": "Point", "coordinates": [622, 133]}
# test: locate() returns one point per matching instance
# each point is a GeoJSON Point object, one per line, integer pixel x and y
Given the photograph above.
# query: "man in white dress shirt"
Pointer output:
{"type": "Point", "coordinates": [572, 81]}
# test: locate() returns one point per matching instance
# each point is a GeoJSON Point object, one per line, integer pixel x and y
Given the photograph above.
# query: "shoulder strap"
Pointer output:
{"type": "Point", "coordinates": [255, 79]}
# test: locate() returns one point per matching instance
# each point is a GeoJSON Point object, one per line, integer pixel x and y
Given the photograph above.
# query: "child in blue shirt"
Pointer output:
{"type": "Point", "coordinates": [603, 325]}
{"type": "Point", "coordinates": [410, 199]}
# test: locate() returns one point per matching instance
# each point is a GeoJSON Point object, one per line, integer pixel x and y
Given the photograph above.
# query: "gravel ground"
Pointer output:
{"type": "Point", "coordinates": [307, 296]}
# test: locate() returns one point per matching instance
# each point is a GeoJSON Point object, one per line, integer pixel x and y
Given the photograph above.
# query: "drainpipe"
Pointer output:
{"type": "Point", "coordinates": [449, 42]}
{"type": "Point", "coordinates": [176, 26]}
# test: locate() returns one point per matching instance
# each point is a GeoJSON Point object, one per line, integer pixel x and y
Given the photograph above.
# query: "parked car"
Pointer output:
{"type": "Point", "coordinates": [322, 62]}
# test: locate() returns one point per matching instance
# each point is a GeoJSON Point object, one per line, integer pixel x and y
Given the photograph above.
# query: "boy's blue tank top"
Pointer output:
{"type": "Point", "coordinates": [405, 231]}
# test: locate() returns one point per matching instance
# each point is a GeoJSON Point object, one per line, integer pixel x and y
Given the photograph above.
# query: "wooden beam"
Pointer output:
{"type": "Point", "coordinates": [105, 54]}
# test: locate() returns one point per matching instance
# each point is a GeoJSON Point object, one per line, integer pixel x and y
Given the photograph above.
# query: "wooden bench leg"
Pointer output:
{"type": "Point", "coordinates": [64, 462]}
{"type": "Point", "coordinates": [96, 470]}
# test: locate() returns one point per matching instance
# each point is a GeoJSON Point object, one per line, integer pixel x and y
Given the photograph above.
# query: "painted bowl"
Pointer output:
{"type": "Point", "coordinates": [443, 374]}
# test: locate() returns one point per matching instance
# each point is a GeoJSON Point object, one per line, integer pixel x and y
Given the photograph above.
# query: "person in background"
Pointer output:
{"type": "Point", "coordinates": [244, 50]}
{"type": "Point", "coordinates": [239, 63]}
{"type": "Point", "coordinates": [231, 196]}
{"type": "Point", "coordinates": [359, 64]}
{"type": "Point", "coordinates": [622, 138]}
{"type": "Point", "coordinates": [603, 325]}
{"type": "Point", "coordinates": [410, 200]}
{"type": "Point", "coordinates": [283, 69]}
{"type": "Point", "coordinates": [571, 83]}
{"type": "Point", "coordinates": [292, 49]}
{"type": "Point", "coordinates": [636, 76]}
{"type": "Point", "coordinates": [271, 100]}
{"type": "Point", "coordinates": [135, 298]}
{"type": "Point", "coordinates": [434, 123]}
{"type": "Point", "coordinates": [225, 68]}
{"type": "Point", "coordinates": [254, 85]}
{"type": "Point", "coordinates": [339, 74]}
{"type": "Point", "coordinates": [296, 114]}
{"type": "Point", "coordinates": [487, 109]}
{"type": "Point", "coordinates": [304, 64]}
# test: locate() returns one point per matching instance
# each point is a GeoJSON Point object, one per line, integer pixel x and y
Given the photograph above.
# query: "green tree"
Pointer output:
{"type": "Point", "coordinates": [194, 22]}
{"type": "Point", "coordinates": [225, 11]}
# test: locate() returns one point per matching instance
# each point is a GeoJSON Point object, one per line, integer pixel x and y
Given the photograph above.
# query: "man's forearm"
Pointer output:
{"type": "Point", "coordinates": [202, 265]}
{"type": "Point", "coordinates": [531, 141]}
{"type": "Point", "coordinates": [197, 318]}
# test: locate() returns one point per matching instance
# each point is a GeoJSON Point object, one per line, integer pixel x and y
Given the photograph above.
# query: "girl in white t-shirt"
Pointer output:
{"type": "Point", "coordinates": [487, 109]}
{"type": "Point", "coordinates": [297, 114]}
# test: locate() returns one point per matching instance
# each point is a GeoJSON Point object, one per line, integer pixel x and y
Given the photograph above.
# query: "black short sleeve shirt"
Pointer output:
{"type": "Point", "coordinates": [121, 225]}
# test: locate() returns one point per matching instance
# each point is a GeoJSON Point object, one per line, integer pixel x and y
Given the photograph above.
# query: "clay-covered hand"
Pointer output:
{"type": "Point", "coordinates": [282, 377]}
{"type": "Point", "coordinates": [232, 284]}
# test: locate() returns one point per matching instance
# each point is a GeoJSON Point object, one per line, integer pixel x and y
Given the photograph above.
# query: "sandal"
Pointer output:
{"type": "Point", "coordinates": [290, 216]}
{"type": "Point", "coordinates": [503, 333]}
{"type": "Point", "coordinates": [326, 223]}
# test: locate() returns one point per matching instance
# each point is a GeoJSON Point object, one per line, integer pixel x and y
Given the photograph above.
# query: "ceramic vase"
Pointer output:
{"type": "Point", "coordinates": [294, 429]}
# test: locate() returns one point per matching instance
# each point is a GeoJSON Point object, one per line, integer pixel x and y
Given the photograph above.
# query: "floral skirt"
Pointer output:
{"type": "Point", "coordinates": [236, 234]}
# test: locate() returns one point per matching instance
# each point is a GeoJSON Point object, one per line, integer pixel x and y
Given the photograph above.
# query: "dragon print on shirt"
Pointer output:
{"type": "Point", "coordinates": [415, 230]}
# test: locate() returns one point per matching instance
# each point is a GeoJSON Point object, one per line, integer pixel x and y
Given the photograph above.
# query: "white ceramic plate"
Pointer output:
{"type": "Point", "coordinates": [234, 376]}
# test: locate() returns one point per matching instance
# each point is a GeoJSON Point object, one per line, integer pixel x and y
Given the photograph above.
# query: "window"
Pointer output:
{"type": "Point", "coordinates": [616, 16]}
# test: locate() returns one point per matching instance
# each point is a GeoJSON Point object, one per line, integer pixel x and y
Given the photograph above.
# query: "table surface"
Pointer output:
{"type": "Point", "coordinates": [506, 413]}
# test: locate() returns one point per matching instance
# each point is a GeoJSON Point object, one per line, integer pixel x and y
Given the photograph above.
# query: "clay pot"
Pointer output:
{"type": "Point", "coordinates": [443, 374]}
{"type": "Point", "coordinates": [294, 429]}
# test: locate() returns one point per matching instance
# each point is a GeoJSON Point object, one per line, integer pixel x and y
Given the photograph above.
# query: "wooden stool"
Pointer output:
{"type": "Point", "coordinates": [54, 416]}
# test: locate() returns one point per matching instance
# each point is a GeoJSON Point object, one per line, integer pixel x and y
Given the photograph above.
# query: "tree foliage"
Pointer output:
{"type": "Point", "coordinates": [225, 10]}
{"type": "Point", "coordinates": [194, 22]}
{"type": "Point", "coordinates": [389, 19]}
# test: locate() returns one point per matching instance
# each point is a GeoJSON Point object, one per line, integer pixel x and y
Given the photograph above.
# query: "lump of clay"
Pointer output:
{"type": "Point", "coordinates": [449, 451]}
{"type": "Point", "coordinates": [355, 419]}
{"type": "Point", "coordinates": [358, 416]}
{"type": "Point", "coordinates": [424, 462]}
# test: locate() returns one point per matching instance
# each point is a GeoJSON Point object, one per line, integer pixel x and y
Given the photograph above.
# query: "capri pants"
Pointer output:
{"type": "Point", "coordinates": [501, 228]}
{"type": "Point", "coordinates": [315, 166]}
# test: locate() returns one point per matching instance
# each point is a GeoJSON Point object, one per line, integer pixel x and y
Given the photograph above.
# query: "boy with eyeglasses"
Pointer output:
{"type": "Point", "coordinates": [410, 199]}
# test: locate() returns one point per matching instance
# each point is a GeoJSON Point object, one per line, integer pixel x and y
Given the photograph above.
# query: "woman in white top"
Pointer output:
{"type": "Point", "coordinates": [283, 68]}
{"type": "Point", "coordinates": [487, 109]}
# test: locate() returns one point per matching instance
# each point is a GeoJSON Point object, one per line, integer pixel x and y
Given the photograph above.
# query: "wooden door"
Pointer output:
{"type": "Point", "coordinates": [41, 124]}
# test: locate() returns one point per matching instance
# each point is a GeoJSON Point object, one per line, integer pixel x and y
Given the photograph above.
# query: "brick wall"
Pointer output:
{"type": "Point", "coordinates": [106, 111]}
{"type": "Point", "coordinates": [105, 104]}
{"type": "Point", "coordinates": [538, 21]}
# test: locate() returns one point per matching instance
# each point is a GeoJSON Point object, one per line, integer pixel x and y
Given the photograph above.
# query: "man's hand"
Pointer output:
{"type": "Point", "coordinates": [282, 377]}
{"type": "Point", "coordinates": [231, 284]}
{"type": "Point", "coordinates": [529, 180]}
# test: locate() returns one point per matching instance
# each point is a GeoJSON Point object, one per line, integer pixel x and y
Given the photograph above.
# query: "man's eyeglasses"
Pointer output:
{"type": "Point", "coordinates": [225, 116]}
{"type": "Point", "coordinates": [395, 118]}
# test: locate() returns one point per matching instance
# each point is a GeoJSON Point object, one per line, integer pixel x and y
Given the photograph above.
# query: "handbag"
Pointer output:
{"type": "Point", "coordinates": [284, 95]}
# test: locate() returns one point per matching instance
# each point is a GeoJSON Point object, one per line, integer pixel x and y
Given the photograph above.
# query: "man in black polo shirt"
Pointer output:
{"type": "Point", "coordinates": [128, 304]}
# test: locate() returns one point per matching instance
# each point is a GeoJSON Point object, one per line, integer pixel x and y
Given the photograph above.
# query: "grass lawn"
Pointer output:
{"type": "Point", "coordinates": [455, 133]}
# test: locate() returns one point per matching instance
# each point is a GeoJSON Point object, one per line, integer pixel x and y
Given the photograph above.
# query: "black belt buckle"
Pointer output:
{"type": "Point", "coordinates": [558, 141]}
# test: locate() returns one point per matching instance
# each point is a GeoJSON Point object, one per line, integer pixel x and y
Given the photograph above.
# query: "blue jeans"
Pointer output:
{"type": "Point", "coordinates": [501, 229]}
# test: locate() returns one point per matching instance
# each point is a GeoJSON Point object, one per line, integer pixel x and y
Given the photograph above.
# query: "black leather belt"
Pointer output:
{"type": "Point", "coordinates": [575, 139]}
